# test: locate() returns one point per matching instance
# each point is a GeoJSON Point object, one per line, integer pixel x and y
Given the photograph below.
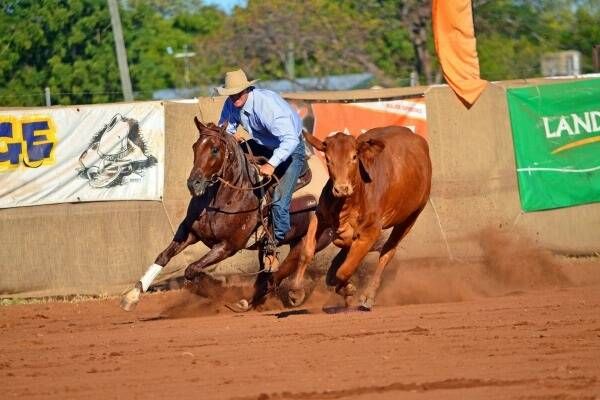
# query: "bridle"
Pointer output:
{"type": "Point", "coordinates": [214, 178]}
{"type": "Point", "coordinates": [218, 176]}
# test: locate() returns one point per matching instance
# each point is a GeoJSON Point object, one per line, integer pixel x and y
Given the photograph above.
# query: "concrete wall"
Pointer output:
{"type": "Point", "coordinates": [475, 182]}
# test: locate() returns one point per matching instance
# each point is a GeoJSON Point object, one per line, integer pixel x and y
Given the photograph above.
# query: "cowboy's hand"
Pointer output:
{"type": "Point", "coordinates": [239, 137]}
{"type": "Point", "coordinates": [266, 169]}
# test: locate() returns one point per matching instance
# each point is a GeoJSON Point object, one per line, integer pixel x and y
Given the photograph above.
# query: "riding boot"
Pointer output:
{"type": "Point", "coordinates": [270, 255]}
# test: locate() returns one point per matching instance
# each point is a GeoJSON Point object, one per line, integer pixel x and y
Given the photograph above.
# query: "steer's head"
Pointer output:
{"type": "Point", "coordinates": [349, 160]}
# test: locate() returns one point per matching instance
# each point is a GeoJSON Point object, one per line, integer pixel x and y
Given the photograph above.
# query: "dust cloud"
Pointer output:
{"type": "Point", "coordinates": [205, 297]}
{"type": "Point", "coordinates": [510, 263]}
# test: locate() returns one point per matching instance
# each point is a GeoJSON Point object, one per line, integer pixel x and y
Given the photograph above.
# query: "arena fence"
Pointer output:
{"type": "Point", "coordinates": [102, 247]}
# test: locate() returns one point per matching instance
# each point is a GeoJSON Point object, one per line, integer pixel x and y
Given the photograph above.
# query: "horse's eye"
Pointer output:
{"type": "Point", "coordinates": [214, 150]}
{"type": "Point", "coordinates": [354, 157]}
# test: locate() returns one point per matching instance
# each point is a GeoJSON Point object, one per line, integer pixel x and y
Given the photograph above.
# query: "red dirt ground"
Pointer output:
{"type": "Point", "coordinates": [441, 331]}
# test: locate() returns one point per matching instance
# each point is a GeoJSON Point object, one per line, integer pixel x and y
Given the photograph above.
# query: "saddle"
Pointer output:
{"type": "Point", "coordinates": [306, 192]}
{"type": "Point", "coordinates": [300, 201]}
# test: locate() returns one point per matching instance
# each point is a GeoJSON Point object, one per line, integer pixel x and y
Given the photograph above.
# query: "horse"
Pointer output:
{"type": "Point", "coordinates": [225, 210]}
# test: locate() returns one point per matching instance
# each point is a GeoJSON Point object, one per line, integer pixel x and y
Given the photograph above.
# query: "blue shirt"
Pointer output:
{"type": "Point", "coordinates": [269, 119]}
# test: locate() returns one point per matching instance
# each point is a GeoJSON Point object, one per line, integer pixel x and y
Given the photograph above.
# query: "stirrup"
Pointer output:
{"type": "Point", "coordinates": [271, 262]}
{"type": "Point", "coordinates": [271, 255]}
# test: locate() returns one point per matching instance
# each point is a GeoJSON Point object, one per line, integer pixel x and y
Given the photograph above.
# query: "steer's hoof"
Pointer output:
{"type": "Point", "coordinates": [366, 303]}
{"type": "Point", "coordinates": [130, 299]}
{"type": "Point", "coordinates": [296, 297]}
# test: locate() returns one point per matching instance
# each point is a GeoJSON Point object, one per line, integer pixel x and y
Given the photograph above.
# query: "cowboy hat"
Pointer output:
{"type": "Point", "coordinates": [235, 82]}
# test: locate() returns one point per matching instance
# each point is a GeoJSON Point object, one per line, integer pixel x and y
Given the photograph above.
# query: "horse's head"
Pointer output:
{"type": "Point", "coordinates": [348, 160]}
{"type": "Point", "coordinates": [210, 156]}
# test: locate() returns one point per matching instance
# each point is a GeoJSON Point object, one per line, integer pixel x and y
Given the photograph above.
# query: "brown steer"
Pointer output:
{"type": "Point", "coordinates": [379, 180]}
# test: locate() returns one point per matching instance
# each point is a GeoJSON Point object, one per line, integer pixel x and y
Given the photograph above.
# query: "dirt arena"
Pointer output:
{"type": "Point", "coordinates": [519, 324]}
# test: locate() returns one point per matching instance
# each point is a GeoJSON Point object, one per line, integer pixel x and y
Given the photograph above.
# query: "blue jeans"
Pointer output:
{"type": "Point", "coordinates": [289, 171]}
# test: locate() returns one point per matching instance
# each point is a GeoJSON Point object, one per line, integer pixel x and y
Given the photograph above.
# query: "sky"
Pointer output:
{"type": "Point", "coordinates": [226, 5]}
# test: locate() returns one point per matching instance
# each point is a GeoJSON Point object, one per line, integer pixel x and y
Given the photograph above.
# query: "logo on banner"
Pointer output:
{"type": "Point", "coordinates": [572, 126]}
{"type": "Point", "coordinates": [117, 151]}
{"type": "Point", "coordinates": [29, 141]}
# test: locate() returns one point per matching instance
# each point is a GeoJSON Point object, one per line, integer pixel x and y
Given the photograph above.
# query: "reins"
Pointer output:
{"type": "Point", "coordinates": [218, 176]}
{"type": "Point", "coordinates": [262, 185]}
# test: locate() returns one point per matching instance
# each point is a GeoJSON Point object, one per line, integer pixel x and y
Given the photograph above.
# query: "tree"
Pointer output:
{"type": "Point", "coordinates": [153, 26]}
{"type": "Point", "coordinates": [512, 35]}
{"type": "Point", "coordinates": [69, 47]}
{"type": "Point", "coordinates": [510, 38]}
{"type": "Point", "coordinates": [324, 37]}
{"type": "Point", "coordinates": [584, 35]}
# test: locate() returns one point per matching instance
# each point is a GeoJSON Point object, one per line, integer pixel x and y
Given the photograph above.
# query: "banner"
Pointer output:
{"type": "Point", "coordinates": [456, 47]}
{"type": "Point", "coordinates": [84, 153]}
{"type": "Point", "coordinates": [324, 119]}
{"type": "Point", "coordinates": [556, 132]}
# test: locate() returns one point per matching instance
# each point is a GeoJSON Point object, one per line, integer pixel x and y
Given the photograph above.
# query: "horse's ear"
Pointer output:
{"type": "Point", "coordinates": [314, 141]}
{"type": "Point", "coordinates": [368, 151]}
{"type": "Point", "coordinates": [199, 124]}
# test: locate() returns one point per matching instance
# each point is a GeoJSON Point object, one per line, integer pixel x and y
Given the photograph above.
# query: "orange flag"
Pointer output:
{"type": "Point", "coordinates": [455, 45]}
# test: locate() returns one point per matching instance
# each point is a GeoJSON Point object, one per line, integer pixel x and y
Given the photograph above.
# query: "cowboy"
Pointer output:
{"type": "Point", "coordinates": [276, 132]}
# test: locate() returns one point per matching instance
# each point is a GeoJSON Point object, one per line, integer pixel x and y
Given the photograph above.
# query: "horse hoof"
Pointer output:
{"type": "Point", "coordinates": [366, 303]}
{"type": "Point", "coordinates": [296, 297]}
{"type": "Point", "coordinates": [346, 290]}
{"type": "Point", "coordinates": [243, 305]}
{"type": "Point", "coordinates": [130, 299]}
{"type": "Point", "coordinates": [239, 307]}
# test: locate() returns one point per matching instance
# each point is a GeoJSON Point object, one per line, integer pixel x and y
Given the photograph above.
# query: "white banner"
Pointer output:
{"type": "Point", "coordinates": [84, 153]}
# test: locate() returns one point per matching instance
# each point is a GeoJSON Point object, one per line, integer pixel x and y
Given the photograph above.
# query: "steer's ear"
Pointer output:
{"type": "Point", "coordinates": [314, 141]}
{"type": "Point", "coordinates": [367, 153]}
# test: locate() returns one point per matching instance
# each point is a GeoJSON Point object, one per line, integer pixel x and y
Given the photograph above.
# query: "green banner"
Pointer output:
{"type": "Point", "coordinates": [556, 133]}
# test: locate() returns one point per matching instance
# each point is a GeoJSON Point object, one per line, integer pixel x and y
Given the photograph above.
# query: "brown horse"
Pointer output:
{"type": "Point", "coordinates": [223, 213]}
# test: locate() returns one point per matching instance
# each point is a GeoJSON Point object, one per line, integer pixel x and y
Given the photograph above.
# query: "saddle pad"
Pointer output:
{"type": "Point", "coordinates": [319, 178]}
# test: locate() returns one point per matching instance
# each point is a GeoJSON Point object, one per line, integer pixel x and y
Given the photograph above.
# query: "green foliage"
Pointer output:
{"type": "Point", "coordinates": [501, 58]}
{"type": "Point", "coordinates": [57, 47]}
{"type": "Point", "coordinates": [68, 45]}
{"type": "Point", "coordinates": [323, 36]}
{"type": "Point", "coordinates": [513, 35]}
{"type": "Point", "coordinates": [584, 35]}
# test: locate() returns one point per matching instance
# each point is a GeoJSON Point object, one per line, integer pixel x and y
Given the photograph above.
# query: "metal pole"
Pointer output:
{"type": "Point", "coordinates": [186, 67]}
{"type": "Point", "coordinates": [290, 63]}
{"type": "Point", "coordinates": [115, 21]}
{"type": "Point", "coordinates": [186, 64]}
{"type": "Point", "coordinates": [47, 92]}
{"type": "Point", "coordinates": [414, 78]}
